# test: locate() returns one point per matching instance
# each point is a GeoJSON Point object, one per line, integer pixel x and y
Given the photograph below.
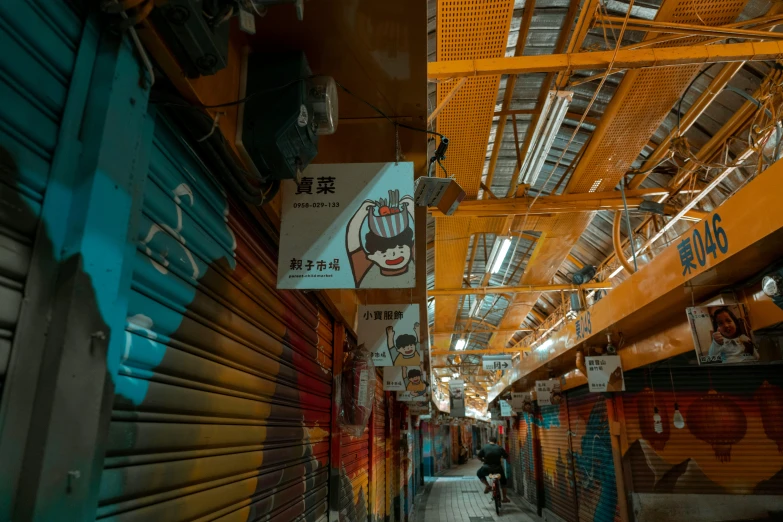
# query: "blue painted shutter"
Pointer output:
{"type": "Point", "coordinates": [39, 41]}
{"type": "Point", "coordinates": [591, 443]}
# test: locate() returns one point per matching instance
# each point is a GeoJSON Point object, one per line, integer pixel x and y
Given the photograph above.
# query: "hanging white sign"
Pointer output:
{"type": "Point", "coordinates": [505, 409]}
{"type": "Point", "coordinates": [605, 373]}
{"type": "Point", "coordinates": [521, 402]}
{"type": "Point", "coordinates": [496, 362]}
{"type": "Point", "coordinates": [457, 397]}
{"type": "Point", "coordinates": [548, 392]}
{"type": "Point", "coordinates": [404, 378]}
{"type": "Point", "coordinates": [348, 226]}
{"type": "Point", "coordinates": [391, 333]}
{"type": "Point", "coordinates": [406, 396]}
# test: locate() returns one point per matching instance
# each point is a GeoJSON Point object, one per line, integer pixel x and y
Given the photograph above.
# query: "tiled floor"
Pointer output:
{"type": "Point", "coordinates": [458, 496]}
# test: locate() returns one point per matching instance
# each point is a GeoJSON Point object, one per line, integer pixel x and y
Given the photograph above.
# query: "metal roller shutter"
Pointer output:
{"type": "Point", "coordinates": [223, 400]}
{"type": "Point", "coordinates": [731, 443]}
{"type": "Point", "coordinates": [514, 456]}
{"type": "Point", "coordinates": [378, 468]}
{"type": "Point", "coordinates": [39, 41]}
{"type": "Point", "coordinates": [354, 469]}
{"type": "Point", "coordinates": [558, 478]}
{"type": "Point", "coordinates": [596, 487]}
{"type": "Point", "coordinates": [528, 451]}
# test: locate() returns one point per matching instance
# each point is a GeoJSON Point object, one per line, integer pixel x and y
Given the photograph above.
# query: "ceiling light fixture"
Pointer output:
{"type": "Point", "coordinates": [499, 251]}
{"type": "Point", "coordinates": [461, 343]}
{"type": "Point", "coordinates": [552, 116]}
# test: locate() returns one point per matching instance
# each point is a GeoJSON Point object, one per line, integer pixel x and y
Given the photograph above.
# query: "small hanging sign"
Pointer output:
{"type": "Point", "coordinates": [522, 402]}
{"type": "Point", "coordinates": [505, 409]}
{"type": "Point", "coordinates": [548, 392]}
{"type": "Point", "coordinates": [391, 333]}
{"type": "Point", "coordinates": [457, 397]}
{"type": "Point", "coordinates": [605, 373]}
{"type": "Point", "coordinates": [404, 378]}
{"type": "Point", "coordinates": [348, 226]}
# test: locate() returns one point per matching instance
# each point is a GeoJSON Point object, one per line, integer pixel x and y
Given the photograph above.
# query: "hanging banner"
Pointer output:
{"type": "Point", "coordinates": [605, 373]}
{"type": "Point", "coordinates": [505, 409]}
{"type": "Point", "coordinates": [457, 397]}
{"type": "Point", "coordinates": [348, 226]}
{"type": "Point", "coordinates": [548, 392]}
{"type": "Point", "coordinates": [391, 333]}
{"type": "Point", "coordinates": [422, 408]}
{"type": "Point", "coordinates": [496, 362]}
{"type": "Point", "coordinates": [405, 378]}
{"type": "Point", "coordinates": [407, 396]}
{"type": "Point", "coordinates": [722, 334]}
{"type": "Point", "coordinates": [522, 402]}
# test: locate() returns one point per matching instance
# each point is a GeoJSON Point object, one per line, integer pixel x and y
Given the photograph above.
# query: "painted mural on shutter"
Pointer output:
{"type": "Point", "coordinates": [591, 445]}
{"type": "Point", "coordinates": [514, 450]}
{"type": "Point", "coordinates": [378, 452]}
{"type": "Point", "coordinates": [223, 394]}
{"type": "Point", "coordinates": [36, 65]}
{"type": "Point", "coordinates": [529, 452]}
{"type": "Point", "coordinates": [558, 478]}
{"type": "Point", "coordinates": [354, 469]}
{"type": "Point", "coordinates": [442, 448]}
{"type": "Point", "coordinates": [728, 456]}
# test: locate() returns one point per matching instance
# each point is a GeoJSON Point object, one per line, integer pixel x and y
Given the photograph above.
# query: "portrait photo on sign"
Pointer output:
{"type": "Point", "coordinates": [348, 226]}
{"type": "Point", "coordinates": [392, 333]}
{"type": "Point", "coordinates": [405, 378]}
{"type": "Point", "coordinates": [722, 334]}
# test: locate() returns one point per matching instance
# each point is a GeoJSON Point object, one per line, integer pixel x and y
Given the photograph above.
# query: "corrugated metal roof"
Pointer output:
{"type": "Point", "coordinates": [596, 243]}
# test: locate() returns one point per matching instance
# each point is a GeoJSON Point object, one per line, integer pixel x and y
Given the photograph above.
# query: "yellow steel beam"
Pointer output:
{"type": "Point", "coordinates": [446, 100]}
{"type": "Point", "coordinates": [628, 59]}
{"type": "Point", "coordinates": [615, 22]}
{"type": "Point", "coordinates": [569, 115]}
{"type": "Point", "coordinates": [528, 289]}
{"type": "Point", "coordinates": [489, 330]}
{"type": "Point", "coordinates": [476, 352]}
{"type": "Point", "coordinates": [546, 205]}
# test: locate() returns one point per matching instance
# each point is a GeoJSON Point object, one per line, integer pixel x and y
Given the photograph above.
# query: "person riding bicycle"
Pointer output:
{"type": "Point", "coordinates": [491, 456]}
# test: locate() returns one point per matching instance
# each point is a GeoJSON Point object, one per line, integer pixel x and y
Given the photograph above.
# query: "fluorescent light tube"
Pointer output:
{"type": "Point", "coordinates": [461, 343]}
{"type": "Point", "coordinates": [499, 252]}
{"type": "Point", "coordinates": [476, 306]}
{"type": "Point", "coordinates": [552, 116]}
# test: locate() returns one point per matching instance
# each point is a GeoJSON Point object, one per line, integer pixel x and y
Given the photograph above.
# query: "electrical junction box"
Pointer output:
{"type": "Point", "coordinates": [443, 193]}
{"type": "Point", "coordinates": [277, 129]}
{"type": "Point", "coordinates": [198, 39]}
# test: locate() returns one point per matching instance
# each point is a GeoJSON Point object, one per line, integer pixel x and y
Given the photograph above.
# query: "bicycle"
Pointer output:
{"type": "Point", "coordinates": [496, 492]}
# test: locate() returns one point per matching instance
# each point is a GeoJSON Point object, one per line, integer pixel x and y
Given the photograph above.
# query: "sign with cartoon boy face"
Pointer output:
{"type": "Point", "coordinates": [405, 378]}
{"type": "Point", "coordinates": [391, 332]}
{"type": "Point", "coordinates": [348, 226]}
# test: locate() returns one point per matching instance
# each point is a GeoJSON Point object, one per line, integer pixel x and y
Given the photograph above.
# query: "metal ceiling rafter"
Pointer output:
{"type": "Point", "coordinates": [640, 104]}
{"type": "Point", "coordinates": [686, 55]}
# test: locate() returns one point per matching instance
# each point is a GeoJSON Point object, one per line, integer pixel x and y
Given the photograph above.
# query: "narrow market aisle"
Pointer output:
{"type": "Point", "coordinates": [458, 496]}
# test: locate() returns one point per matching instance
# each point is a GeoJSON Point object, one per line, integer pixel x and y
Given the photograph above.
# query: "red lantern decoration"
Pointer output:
{"type": "Point", "coordinates": [645, 408]}
{"type": "Point", "coordinates": [770, 400]}
{"type": "Point", "coordinates": [718, 421]}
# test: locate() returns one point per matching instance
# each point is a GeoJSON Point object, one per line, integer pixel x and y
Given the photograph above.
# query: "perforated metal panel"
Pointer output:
{"type": "Point", "coordinates": [591, 444]}
{"type": "Point", "coordinates": [470, 29]}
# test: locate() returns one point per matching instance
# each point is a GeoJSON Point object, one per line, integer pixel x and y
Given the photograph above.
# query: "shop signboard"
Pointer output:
{"type": "Point", "coordinates": [391, 333]}
{"type": "Point", "coordinates": [348, 226]}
